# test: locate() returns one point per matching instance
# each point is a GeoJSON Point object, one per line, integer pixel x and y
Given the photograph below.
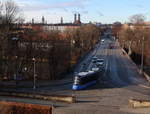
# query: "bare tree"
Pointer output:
{"type": "Point", "coordinates": [137, 19]}
{"type": "Point", "coordinates": [9, 15]}
{"type": "Point", "coordinates": [0, 12]}
{"type": "Point", "coordinates": [11, 11]}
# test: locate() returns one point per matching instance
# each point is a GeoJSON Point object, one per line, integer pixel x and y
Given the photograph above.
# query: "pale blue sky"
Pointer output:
{"type": "Point", "coordinates": [105, 11]}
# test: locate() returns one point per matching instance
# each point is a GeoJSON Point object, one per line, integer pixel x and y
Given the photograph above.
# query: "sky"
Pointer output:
{"type": "Point", "coordinates": [104, 11]}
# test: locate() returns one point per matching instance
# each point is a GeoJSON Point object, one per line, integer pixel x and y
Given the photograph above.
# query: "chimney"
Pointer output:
{"type": "Point", "coordinates": [79, 17]}
{"type": "Point", "coordinates": [61, 20]}
{"type": "Point", "coordinates": [75, 18]}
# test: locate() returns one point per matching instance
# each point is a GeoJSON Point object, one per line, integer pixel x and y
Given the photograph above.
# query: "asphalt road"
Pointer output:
{"type": "Point", "coordinates": [119, 82]}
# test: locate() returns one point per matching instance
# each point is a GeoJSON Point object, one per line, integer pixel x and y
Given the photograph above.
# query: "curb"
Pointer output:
{"type": "Point", "coordinates": [134, 103]}
{"type": "Point", "coordinates": [59, 98]}
{"type": "Point", "coordinates": [147, 76]}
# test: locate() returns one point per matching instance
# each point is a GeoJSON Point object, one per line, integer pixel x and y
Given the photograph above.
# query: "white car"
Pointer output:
{"type": "Point", "coordinates": [100, 60]}
{"type": "Point", "coordinates": [99, 64]}
{"type": "Point", "coordinates": [95, 69]}
{"type": "Point", "coordinates": [94, 58]}
{"type": "Point", "coordinates": [102, 40]}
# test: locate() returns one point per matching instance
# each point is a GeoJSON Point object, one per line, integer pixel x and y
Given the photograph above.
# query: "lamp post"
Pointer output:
{"type": "Point", "coordinates": [71, 50]}
{"type": "Point", "coordinates": [142, 56]}
{"type": "Point", "coordinates": [34, 75]}
{"type": "Point", "coordinates": [16, 71]}
{"type": "Point", "coordinates": [15, 42]}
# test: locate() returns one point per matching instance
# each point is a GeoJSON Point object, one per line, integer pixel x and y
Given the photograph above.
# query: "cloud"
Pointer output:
{"type": "Point", "coordinates": [50, 16]}
{"type": "Point", "coordinates": [34, 5]}
{"type": "Point", "coordinates": [52, 9]}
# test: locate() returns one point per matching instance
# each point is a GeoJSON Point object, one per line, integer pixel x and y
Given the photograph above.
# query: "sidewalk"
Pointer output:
{"type": "Point", "coordinates": [42, 87]}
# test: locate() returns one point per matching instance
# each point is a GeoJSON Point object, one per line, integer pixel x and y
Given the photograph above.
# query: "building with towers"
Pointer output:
{"type": "Point", "coordinates": [77, 19]}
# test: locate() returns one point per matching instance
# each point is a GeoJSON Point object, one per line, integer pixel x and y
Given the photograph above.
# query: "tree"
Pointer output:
{"type": "Point", "coordinates": [137, 19]}
{"type": "Point", "coordinates": [11, 12]}
{"type": "Point", "coordinates": [9, 15]}
{"type": "Point", "coordinates": [0, 12]}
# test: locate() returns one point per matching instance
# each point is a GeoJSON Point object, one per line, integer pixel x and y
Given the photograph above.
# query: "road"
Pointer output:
{"type": "Point", "coordinates": [120, 82]}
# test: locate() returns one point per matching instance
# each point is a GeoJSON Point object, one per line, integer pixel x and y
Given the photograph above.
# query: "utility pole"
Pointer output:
{"type": "Point", "coordinates": [142, 56]}
{"type": "Point", "coordinates": [34, 75]}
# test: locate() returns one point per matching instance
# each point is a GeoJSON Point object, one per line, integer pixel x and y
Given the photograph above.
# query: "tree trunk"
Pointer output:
{"type": "Point", "coordinates": [130, 49]}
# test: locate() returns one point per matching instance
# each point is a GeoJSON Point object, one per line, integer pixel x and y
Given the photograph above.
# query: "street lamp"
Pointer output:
{"type": "Point", "coordinates": [34, 75]}
{"type": "Point", "coordinates": [15, 40]}
{"type": "Point", "coordinates": [142, 56]}
{"type": "Point", "coordinates": [71, 50]}
{"type": "Point", "coordinates": [16, 72]}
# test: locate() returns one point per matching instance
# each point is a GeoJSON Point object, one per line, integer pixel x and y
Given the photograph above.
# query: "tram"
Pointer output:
{"type": "Point", "coordinates": [83, 80]}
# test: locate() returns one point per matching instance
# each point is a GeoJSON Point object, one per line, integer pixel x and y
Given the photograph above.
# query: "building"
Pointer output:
{"type": "Point", "coordinates": [77, 21]}
{"type": "Point", "coordinates": [60, 27]}
{"type": "Point", "coordinates": [51, 27]}
{"type": "Point", "coordinates": [64, 26]}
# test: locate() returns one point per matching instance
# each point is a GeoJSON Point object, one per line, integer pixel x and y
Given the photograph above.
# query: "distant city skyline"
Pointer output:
{"type": "Point", "coordinates": [104, 11]}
